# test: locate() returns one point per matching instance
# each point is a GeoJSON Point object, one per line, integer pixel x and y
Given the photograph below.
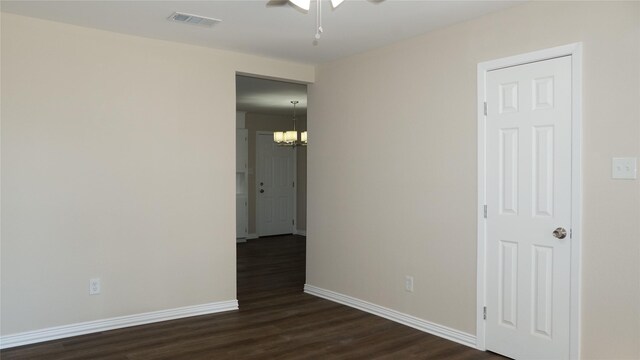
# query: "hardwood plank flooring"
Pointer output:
{"type": "Point", "coordinates": [276, 320]}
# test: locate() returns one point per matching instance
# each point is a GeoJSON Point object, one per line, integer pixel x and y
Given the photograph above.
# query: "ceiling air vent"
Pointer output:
{"type": "Point", "coordinates": [193, 19]}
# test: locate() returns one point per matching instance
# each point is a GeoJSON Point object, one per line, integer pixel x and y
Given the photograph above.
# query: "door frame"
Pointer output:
{"type": "Point", "coordinates": [575, 51]}
{"type": "Point", "coordinates": [294, 191]}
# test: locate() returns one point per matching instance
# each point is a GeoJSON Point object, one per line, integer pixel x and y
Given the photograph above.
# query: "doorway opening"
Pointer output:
{"type": "Point", "coordinates": [271, 189]}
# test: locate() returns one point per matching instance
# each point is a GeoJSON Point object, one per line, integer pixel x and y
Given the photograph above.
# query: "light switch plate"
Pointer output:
{"type": "Point", "coordinates": [624, 168]}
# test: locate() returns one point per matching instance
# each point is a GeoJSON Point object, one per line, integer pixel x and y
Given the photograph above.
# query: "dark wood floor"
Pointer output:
{"type": "Point", "coordinates": [276, 320]}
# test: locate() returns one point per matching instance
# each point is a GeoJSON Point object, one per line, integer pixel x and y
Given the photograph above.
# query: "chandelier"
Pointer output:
{"type": "Point", "coordinates": [290, 138]}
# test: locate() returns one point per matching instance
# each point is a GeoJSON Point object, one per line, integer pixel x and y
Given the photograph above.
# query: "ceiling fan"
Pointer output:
{"type": "Point", "coordinates": [305, 4]}
{"type": "Point", "coordinates": [302, 4]}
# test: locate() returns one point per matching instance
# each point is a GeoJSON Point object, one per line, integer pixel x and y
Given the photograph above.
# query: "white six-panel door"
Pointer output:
{"type": "Point", "coordinates": [528, 194]}
{"type": "Point", "coordinates": [275, 192]}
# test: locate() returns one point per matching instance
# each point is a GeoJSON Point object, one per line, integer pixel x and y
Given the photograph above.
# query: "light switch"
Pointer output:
{"type": "Point", "coordinates": [624, 168]}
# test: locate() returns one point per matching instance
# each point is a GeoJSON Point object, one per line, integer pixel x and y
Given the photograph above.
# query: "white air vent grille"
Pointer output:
{"type": "Point", "coordinates": [193, 19]}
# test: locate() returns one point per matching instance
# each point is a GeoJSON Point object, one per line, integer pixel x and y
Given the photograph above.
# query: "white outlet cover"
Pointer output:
{"type": "Point", "coordinates": [624, 168]}
{"type": "Point", "coordinates": [94, 286]}
{"type": "Point", "coordinates": [408, 283]}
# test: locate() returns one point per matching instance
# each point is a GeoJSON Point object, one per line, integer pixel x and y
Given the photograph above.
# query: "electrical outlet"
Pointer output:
{"type": "Point", "coordinates": [408, 283]}
{"type": "Point", "coordinates": [94, 286]}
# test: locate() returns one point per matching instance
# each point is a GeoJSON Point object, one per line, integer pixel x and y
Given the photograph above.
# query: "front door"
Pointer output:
{"type": "Point", "coordinates": [528, 194]}
{"type": "Point", "coordinates": [274, 179]}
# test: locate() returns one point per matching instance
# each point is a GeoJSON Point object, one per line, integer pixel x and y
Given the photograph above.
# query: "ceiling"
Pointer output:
{"type": "Point", "coordinates": [259, 27]}
{"type": "Point", "coordinates": [269, 96]}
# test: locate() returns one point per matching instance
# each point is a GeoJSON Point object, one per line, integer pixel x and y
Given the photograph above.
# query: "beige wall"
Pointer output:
{"type": "Point", "coordinates": [264, 122]}
{"type": "Point", "coordinates": [116, 163]}
{"type": "Point", "coordinates": [392, 169]}
{"type": "Point", "coordinates": [114, 150]}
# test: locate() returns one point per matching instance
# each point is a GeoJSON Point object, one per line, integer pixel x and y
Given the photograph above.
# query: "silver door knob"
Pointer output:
{"type": "Point", "coordinates": [560, 233]}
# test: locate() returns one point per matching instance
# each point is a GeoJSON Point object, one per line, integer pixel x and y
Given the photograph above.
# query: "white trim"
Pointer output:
{"type": "Point", "coordinates": [89, 327]}
{"type": "Point", "coordinates": [294, 206]}
{"type": "Point", "coordinates": [576, 200]}
{"type": "Point", "coordinates": [300, 232]}
{"type": "Point", "coordinates": [481, 251]}
{"type": "Point", "coordinates": [575, 51]}
{"type": "Point", "coordinates": [393, 315]}
{"type": "Point", "coordinates": [252, 236]}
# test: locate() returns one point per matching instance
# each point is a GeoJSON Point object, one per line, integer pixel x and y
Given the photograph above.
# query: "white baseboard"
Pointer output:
{"type": "Point", "coordinates": [300, 232]}
{"type": "Point", "coordinates": [59, 332]}
{"type": "Point", "coordinates": [408, 320]}
{"type": "Point", "coordinates": [252, 236]}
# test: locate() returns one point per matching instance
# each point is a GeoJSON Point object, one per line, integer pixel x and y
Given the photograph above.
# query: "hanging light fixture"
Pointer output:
{"type": "Point", "coordinates": [290, 138]}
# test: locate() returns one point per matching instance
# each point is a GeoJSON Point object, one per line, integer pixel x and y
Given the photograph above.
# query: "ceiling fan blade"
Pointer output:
{"type": "Point", "coordinates": [271, 3]}
{"type": "Point", "coordinates": [302, 4]}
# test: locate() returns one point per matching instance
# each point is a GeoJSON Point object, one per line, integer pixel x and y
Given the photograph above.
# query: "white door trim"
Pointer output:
{"type": "Point", "coordinates": [257, 187]}
{"type": "Point", "coordinates": [294, 214]}
{"type": "Point", "coordinates": [575, 51]}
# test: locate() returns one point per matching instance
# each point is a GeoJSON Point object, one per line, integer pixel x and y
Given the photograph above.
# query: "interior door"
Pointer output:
{"type": "Point", "coordinates": [528, 189]}
{"type": "Point", "coordinates": [274, 179]}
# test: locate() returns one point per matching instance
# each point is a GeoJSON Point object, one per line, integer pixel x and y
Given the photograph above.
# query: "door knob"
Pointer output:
{"type": "Point", "coordinates": [261, 191]}
{"type": "Point", "coordinates": [560, 233]}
